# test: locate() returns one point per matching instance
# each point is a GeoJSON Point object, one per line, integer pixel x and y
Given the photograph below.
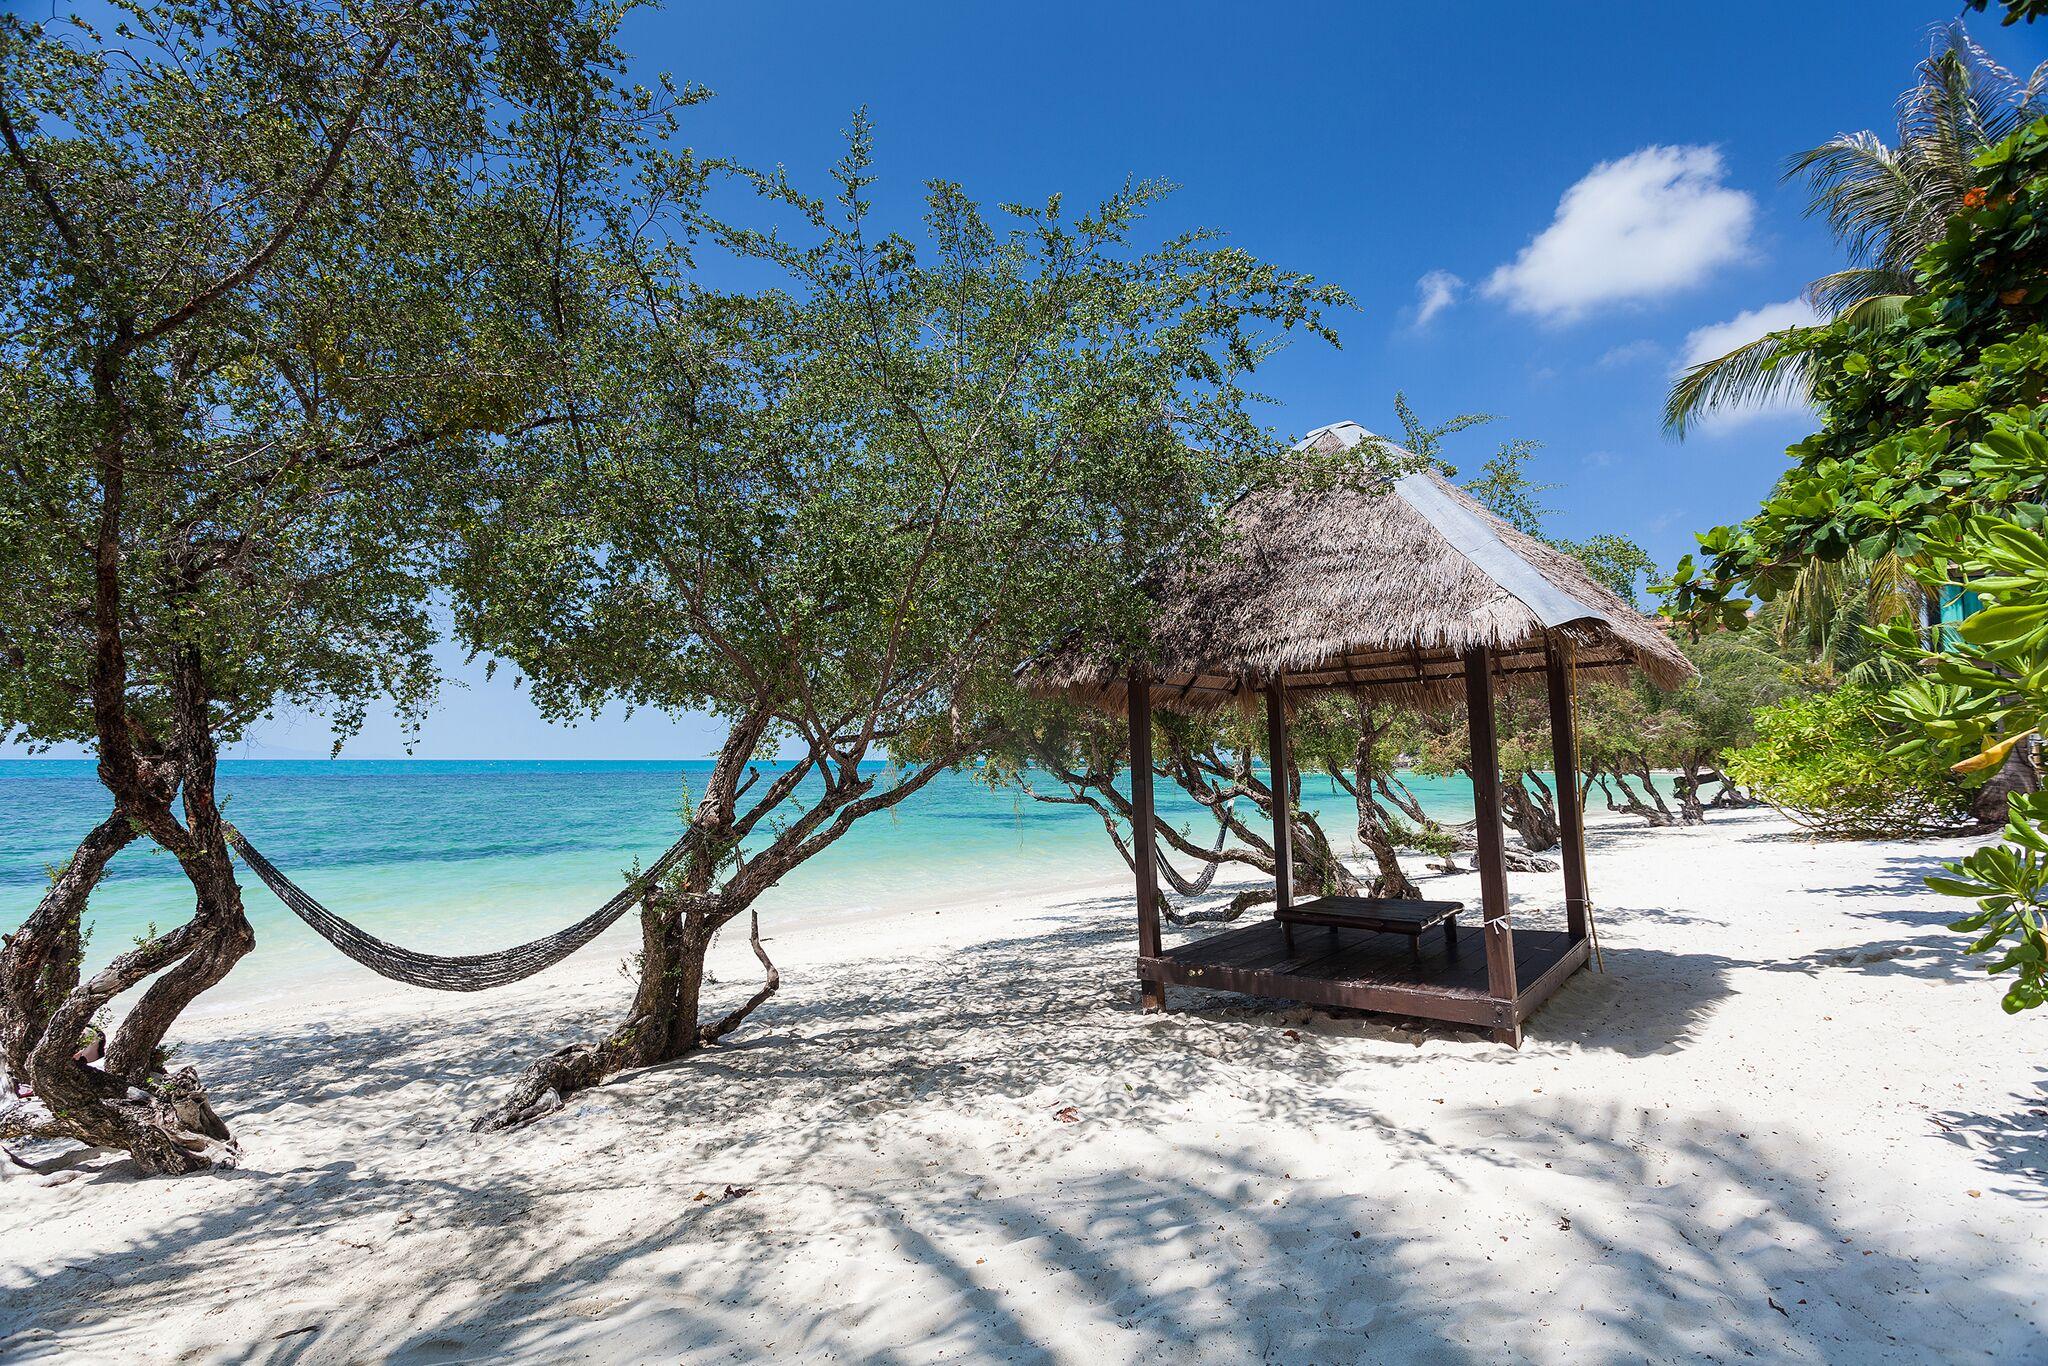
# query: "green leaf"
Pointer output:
{"type": "Point", "coordinates": [1997, 625]}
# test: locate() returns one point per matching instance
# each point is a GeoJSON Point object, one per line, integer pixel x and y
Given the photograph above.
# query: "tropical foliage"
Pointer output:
{"type": "Point", "coordinates": [1885, 204]}
{"type": "Point", "coordinates": [2016, 11]}
{"type": "Point", "coordinates": [268, 281]}
{"type": "Point", "coordinates": [1935, 451]}
{"type": "Point", "coordinates": [1984, 695]}
{"type": "Point", "coordinates": [834, 513]}
{"type": "Point", "coordinates": [1826, 760]}
{"type": "Point", "coordinates": [1930, 418]}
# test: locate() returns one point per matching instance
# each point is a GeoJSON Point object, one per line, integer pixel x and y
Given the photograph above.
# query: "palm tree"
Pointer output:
{"type": "Point", "coordinates": [1885, 205]}
{"type": "Point", "coordinates": [1820, 615]}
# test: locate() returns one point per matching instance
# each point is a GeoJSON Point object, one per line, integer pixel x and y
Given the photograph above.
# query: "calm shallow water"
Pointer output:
{"type": "Point", "coordinates": [462, 856]}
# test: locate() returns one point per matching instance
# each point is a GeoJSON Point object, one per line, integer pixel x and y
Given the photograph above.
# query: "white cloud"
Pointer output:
{"type": "Point", "coordinates": [1434, 293]}
{"type": "Point", "coordinates": [1649, 224]}
{"type": "Point", "coordinates": [1718, 339]}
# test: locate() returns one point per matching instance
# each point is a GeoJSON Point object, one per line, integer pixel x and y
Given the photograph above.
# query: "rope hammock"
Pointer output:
{"type": "Point", "coordinates": [437, 972]}
{"type": "Point", "coordinates": [1195, 886]}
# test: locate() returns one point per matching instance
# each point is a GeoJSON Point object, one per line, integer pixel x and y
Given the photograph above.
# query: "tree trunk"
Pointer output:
{"type": "Point", "coordinates": [131, 1101]}
{"type": "Point", "coordinates": [660, 1026]}
{"type": "Point", "coordinates": [1532, 816]}
{"type": "Point", "coordinates": [1729, 797]}
{"type": "Point", "coordinates": [1465, 839]}
{"type": "Point", "coordinates": [1632, 804]}
{"type": "Point", "coordinates": [41, 961]}
{"type": "Point", "coordinates": [1375, 832]}
{"type": "Point", "coordinates": [163, 1120]}
{"type": "Point", "coordinates": [665, 1022]}
{"type": "Point", "coordinates": [222, 935]}
{"type": "Point", "coordinates": [1391, 880]}
{"type": "Point", "coordinates": [1694, 775]}
{"type": "Point", "coordinates": [678, 921]}
{"type": "Point", "coordinates": [2016, 775]}
{"type": "Point", "coordinates": [1691, 809]}
{"type": "Point", "coordinates": [1317, 869]}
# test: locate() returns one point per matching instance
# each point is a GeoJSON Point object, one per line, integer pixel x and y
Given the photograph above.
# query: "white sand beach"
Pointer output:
{"type": "Point", "coordinates": [1789, 1122]}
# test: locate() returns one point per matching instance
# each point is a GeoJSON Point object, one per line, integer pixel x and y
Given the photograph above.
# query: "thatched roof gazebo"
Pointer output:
{"type": "Point", "coordinates": [1409, 592]}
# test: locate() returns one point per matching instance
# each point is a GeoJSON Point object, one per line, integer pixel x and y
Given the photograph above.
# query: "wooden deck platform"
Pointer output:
{"type": "Point", "coordinates": [1365, 970]}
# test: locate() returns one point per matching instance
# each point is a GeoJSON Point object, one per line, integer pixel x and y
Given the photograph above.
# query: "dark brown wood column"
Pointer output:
{"type": "Point", "coordinates": [1144, 847]}
{"type": "Point", "coordinates": [1281, 776]}
{"type": "Point", "coordinates": [1492, 853]}
{"type": "Point", "coordinates": [1564, 758]}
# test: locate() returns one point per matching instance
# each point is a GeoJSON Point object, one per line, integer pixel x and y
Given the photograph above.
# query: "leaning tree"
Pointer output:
{"type": "Point", "coordinates": [1068, 754]}
{"type": "Point", "coordinates": [1357, 743]}
{"type": "Point", "coordinates": [834, 513]}
{"type": "Point", "coordinates": [272, 276]}
{"type": "Point", "coordinates": [1062, 753]}
{"type": "Point", "coordinates": [1884, 204]}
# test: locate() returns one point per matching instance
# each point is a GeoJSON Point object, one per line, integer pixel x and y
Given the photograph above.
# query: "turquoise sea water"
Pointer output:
{"type": "Point", "coordinates": [463, 856]}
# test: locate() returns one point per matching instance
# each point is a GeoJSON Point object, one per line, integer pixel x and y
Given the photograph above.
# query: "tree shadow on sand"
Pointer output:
{"type": "Point", "coordinates": [865, 1053]}
{"type": "Point", "coordinates": [1895, 893]}
{"type": "Point", "coordinates": [1765, 1268]}
{"type": "Point", "coordinates": [2012, 1146]}
{"type": "Point", "coordinates": [775, 1174]}
{"type": "Point", "coordinates": [1723, 1245]}
{"type": "Point", "coordinates": [1899, 875]}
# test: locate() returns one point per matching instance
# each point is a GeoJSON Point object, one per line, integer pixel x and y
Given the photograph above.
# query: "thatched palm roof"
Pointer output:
{"type": "Point", "coordinates": [1374, 590]}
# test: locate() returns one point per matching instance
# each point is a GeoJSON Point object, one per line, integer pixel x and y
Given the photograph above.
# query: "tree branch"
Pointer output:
{"type": "Point", "coordinates": [295, 217]}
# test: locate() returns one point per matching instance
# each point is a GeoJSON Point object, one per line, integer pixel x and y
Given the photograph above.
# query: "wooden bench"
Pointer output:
{"type": "Point", "coordinates": [1374, 913]}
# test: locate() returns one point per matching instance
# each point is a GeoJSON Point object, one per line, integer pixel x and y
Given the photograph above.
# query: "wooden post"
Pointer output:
{"type": "Point", "coordinates": [1564, 756]}
{"type": "Point", "coordinates": [1283, 787]}
{"type": "Point", "coordinates": [1144, 849]}
{"type": "Point", "coordinates": [1492, 855]}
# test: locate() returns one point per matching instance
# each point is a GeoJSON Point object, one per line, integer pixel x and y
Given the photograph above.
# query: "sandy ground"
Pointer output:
{"type": "Point", "coordinates": [1789, 1123]}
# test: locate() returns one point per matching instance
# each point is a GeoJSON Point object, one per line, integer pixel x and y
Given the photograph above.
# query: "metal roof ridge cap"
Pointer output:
{"type": "Point", "coordinates": [1486, 551]}
{"type": "Point", "coordinates": [1329, 428]}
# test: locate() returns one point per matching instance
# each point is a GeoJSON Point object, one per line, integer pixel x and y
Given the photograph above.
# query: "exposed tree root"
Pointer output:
{"type": "Point", "coordinates": [168, 1126]}
{"type": "Point", "coordinates": [547, 1084]}
{"type": "Point", "coordinates": [1515, 860]}
{"type": "Point", "coordinates": [1221, 915]}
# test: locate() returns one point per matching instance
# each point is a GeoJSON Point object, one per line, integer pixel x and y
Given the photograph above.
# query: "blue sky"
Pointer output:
{"type": "Point", "coordinates": [1540, 209]}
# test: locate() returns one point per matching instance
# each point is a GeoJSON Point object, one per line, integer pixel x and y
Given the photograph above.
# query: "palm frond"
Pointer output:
{"type": "Point", "coordinates": [1864, 295]}
{"type": "Point", "coordinates": [1821, 612]}
{"type": "Point", "coordinates": [1809, 610]}
{"type": "Point", "coordinates": [1965, 100]}
{"type": "Point", "coordinates": [1885, 205]}
{"type": "Point", "coordinates": [1752, 373]}
{"type": "Point", "coordinates": [1877, 670]}
{"type": "Point", "coordinates": [1863, 189]}
{"type": "Point", "coordinates": [1890, 591]}
{"type": "Point", "coordinates": [1941, 119]}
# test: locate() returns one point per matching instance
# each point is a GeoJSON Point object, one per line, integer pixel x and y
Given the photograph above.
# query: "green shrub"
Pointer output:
{"type": "Point", "coordinates": [1824, 760]}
